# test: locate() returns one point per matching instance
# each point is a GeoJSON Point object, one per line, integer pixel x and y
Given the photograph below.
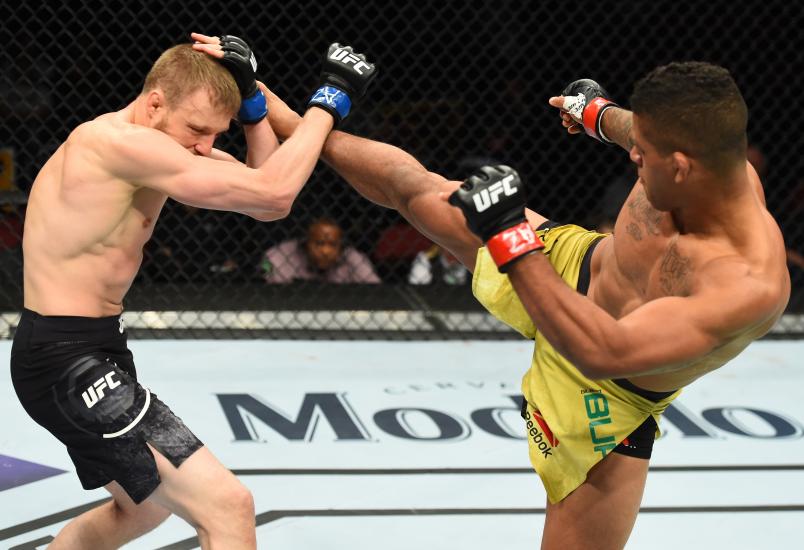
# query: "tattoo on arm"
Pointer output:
{"type": "Point", "coordinates": [617, 126]}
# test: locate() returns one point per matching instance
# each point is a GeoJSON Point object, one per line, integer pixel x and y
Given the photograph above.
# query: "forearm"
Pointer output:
{"type": "Point", "coordinates": [574, 325]}
{"type": "Point", "coordinates": [384, 174]}
{"type": "Point", "coordinates": [617, 126]}
{"type": "Point", "coordinates": [261, 142]}
{"type": "Point", "coordinates": [289, 167]}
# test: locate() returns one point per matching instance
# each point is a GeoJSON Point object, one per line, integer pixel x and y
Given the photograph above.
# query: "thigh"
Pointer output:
{"type": "Point", "coordinates": [191, 490]}
{"type": "Point", "coordinates": [534, 218]}
{"type": "Point", "coordinates": [147, 513]}
{"type": "Point", "coordinates": [602, 511]}
{"type": "Point", "coordinates": [105, 418]}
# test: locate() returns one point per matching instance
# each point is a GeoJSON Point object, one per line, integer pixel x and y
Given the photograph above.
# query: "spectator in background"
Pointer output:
{"type": "Point", "coordinates": [320, 256]}
{"type": "Point", "coordinates": [437, 265]}
{"type": "Point", "coordinates": [396, 248]}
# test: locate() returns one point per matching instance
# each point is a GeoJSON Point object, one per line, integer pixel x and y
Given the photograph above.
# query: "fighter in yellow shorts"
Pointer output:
{"type": "Point", "coordinates": [694, 271]}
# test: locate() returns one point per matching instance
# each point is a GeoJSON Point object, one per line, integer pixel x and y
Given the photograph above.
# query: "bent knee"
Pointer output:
{"type": "Point", "coordinates": [233, 501]}
{"type": "Point", "coordinates": [240, 500]}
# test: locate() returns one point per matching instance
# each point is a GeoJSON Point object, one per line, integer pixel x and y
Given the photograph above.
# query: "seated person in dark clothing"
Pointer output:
{"type": "Point", "coordinates": [320, 256]}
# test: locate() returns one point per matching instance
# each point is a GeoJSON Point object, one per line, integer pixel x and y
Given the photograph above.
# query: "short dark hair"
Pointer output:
{"type": "Point", "coordinates": [325, 220]}
{"type": "Point", "coordinates": [695, 108]}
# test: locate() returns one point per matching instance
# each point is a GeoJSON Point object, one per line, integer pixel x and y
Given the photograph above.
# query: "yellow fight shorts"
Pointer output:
{"type": "Point", "coordinates": [571, 422]}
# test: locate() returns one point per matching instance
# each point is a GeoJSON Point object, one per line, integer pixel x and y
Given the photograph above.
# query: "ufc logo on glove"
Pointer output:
{"type": "Point", "coordinates": [487, 197]}
{"type": "Point", "coordinates": [346, 58]}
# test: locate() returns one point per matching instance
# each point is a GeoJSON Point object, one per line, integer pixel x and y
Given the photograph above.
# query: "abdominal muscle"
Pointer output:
{"type": "Point", "coordinates": [83, 237]}
{"type": "Point", "coordinates": [89, 285]}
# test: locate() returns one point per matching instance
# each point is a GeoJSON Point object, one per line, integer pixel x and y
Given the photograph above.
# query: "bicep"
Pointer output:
{"type": "Point", "coordinates": [217, 154]}
{"type": "Point", "coordinates": [670, 333]}
{"type": "Point", "coordinates": [208, 183]}
{"type": "Point", "coordinates": [441, 222]}
{"type": "Point", "coordinates": [151, 159]}
{"type": "Point", "coordinates": [664, 335]}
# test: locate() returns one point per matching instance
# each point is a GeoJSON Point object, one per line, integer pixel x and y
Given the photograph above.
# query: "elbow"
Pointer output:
{"type": "Point", "coordinates": [281, 206]}
{"type": "Point", "coordinates": [592, 369]}
{"type": "Point", "coordinates": [280, 214]}
{"type": "Point", "coordinates": [276, 207]}
{"type": "Point", "coordinates": [269, 215]}
{"type": "Point", "coordinates": [282, 209]}
{"type": "Point", "coordinates": [598, 364]}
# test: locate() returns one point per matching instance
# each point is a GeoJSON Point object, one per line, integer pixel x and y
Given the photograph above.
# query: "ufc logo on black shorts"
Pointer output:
{"type": "Point", "coordinates": [94, 393]}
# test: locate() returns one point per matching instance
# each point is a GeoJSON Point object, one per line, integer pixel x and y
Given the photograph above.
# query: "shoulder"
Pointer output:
{"type": "Point", "coordinates": [741, 293]}
{"type": "Point", "coordinates": [91, 133]}
{"type": "Point", "coordinates": [117, 142]}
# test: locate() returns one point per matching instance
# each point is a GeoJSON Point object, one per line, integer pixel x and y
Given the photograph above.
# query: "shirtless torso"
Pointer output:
{"type": "Point", "coordinates": [694, 271]}
{"type": "Point", "coordinates": [732, 273]}
{"type": "Point", "coordinates": [95, 202]}
{"type": "Point", "coordinates": [647, 258]}
{"type": "Point", "coordinates": [85, 229]}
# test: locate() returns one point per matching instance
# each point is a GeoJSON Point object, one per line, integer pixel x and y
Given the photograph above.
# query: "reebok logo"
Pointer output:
{"type": "Point", "coordinates": [348, 58]}
{"type": "Point", "coordinates": [544, 439]}
{"type": "Point", "coordinates": [491, 195]}
{"type": "Point", "coordinates": [94, 393]}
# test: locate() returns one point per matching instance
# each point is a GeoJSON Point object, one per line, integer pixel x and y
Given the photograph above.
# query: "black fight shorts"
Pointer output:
{"type": "Point", "coordinates": [75, 376]}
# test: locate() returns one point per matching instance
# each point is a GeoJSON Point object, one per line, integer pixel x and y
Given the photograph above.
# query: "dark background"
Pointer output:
{"type": "Point", "coordinates": [460, 83]}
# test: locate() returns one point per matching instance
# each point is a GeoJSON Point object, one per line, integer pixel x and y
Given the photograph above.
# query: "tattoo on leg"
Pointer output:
{"type": "Point", "coordinates": [674, 272]}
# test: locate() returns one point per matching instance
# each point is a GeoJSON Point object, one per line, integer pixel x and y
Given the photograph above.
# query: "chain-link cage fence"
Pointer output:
{"type": "Point", "coordinates": [461, 84]}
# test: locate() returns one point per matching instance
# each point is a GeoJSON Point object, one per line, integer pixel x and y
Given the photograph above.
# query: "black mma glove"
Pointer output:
{"type": "Point", "coordinates": [585, 100]}
{"type": "Point", "coordinates": [493, 202]}
{"type": "Point", "coordinates": [345, 76]}
{"type": "Point", "coordinates": [240, 61]}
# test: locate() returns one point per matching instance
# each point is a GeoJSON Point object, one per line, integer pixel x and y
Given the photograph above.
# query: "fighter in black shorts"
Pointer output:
{"type": "Point", "coordinates": [91, 210]}
{"type": "Point", "coordinates": [75, 376]}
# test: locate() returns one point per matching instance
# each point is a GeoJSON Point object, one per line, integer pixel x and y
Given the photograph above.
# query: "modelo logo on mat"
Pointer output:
{"type": "Point", "coordinates": [249, 416]}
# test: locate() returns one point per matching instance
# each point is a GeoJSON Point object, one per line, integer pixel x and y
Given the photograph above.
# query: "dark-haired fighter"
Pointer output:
{"type": "Point", "coordinates": [694, 272]}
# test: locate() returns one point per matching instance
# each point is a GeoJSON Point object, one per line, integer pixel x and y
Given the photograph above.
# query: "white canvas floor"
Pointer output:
{"type": "Point", "coordinates": [359, 445]}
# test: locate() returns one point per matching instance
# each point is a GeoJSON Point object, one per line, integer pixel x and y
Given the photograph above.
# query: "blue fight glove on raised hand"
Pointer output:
{"type": "Point", "coordinates": [240, 61]}
{"type": "Point", "coordinates": [345, 77]}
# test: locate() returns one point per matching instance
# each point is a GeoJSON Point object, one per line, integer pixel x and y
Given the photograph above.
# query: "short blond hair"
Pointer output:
{"type": "Point", "coordinates": [181, 70]}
